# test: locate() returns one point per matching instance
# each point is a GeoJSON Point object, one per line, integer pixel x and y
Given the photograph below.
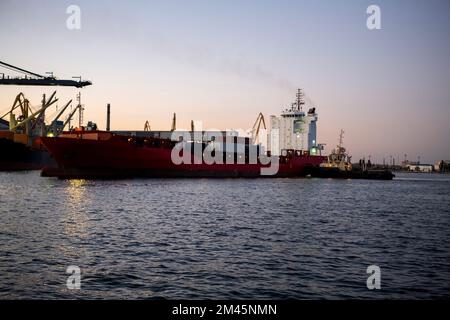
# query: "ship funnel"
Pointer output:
{"type": "Point", "coordinates": [108, 117]}
{"type": "Point", "coordinates": [174, 122]}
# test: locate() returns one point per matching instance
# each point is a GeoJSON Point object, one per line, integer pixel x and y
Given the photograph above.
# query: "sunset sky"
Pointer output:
{"type": "Point", "coordinates": [223, 62]}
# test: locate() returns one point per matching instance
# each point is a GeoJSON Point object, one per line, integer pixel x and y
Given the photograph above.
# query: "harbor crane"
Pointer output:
{"type": "Point", "coordinates": [147, 126]}
{"type": "Point", "coordinates": [257, 126]}
{"type": "Point", "coordinates": [30, 78]}
{"type": "Point", "coordinates": [28, 119]}
{"type": "Point", "coordinates": [36, 115]}
{"type": "Point", "coordinates": [34, 79]}
{"type": "Point", "coordinates": [25, 109]}
{"type": "Point", "coordinates": [21, 102]}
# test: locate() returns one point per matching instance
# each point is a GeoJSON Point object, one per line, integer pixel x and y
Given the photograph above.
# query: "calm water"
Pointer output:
{"type": "Point", "coordinates": [281, 238]}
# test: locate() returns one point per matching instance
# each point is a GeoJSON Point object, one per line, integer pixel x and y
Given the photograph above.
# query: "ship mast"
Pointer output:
{"type": "Point", "coordinates": [341, 138]}
{"type": "Point", "coordinates": [80, 111]}
{"type": "Point", "coordinates": [300, 101]}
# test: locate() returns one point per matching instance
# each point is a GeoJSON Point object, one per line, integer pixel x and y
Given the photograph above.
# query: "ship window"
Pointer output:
{"type": "Point", "coordinates": [298, 126]}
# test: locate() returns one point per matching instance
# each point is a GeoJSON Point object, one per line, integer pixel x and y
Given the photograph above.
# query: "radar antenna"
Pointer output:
{"type": "Point", "coordinates": [300, 99]}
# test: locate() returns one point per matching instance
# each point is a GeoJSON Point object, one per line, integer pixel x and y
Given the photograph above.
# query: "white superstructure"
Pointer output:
{"type": "Point", "coordinates": [294, 128]}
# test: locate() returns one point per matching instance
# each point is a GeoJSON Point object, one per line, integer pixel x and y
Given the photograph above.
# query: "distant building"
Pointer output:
{"type": "Point", "coordinates": [442, 166]}
{"type": "Point", "coordinates": [420, 167]}
{"type": "Point", "coordinates": [437, 166]}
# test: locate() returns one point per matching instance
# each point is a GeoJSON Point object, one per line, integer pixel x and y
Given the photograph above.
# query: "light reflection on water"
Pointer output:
{"type": "Point", "coordinates": [230, 238]}
{"type": "Point", "coordinates": [74, 216]}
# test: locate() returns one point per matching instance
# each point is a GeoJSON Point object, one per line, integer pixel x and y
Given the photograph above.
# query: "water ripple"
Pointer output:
{"type": "Point", "coordinates": [219, 239]}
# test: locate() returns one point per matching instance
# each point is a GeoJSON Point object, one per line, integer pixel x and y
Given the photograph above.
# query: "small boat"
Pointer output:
{"type": "Point", "coordinates": [339, 166]}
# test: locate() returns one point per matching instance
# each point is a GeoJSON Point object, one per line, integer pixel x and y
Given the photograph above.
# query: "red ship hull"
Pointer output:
{"type": "Point", "coordinates": [105, 155]}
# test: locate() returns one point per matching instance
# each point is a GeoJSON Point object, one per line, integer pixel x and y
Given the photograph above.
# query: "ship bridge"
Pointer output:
{"type": "Point", "coordinates": [294, 128]}
{"type": "Point", "coordinates": [292, 114]}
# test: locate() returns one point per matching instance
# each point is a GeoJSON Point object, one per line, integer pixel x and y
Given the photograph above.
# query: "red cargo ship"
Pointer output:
{"type": "Point", "coordinates": [103, 154]}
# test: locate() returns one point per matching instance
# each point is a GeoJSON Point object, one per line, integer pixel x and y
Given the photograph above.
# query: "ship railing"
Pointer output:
{"type": "Point", "coordinates": [87, 135]}
{"type": "Point", "coordinates": [293, 152]}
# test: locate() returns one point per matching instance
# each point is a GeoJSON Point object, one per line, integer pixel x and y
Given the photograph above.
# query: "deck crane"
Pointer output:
{"type": "Point", "coordinates": [34, 79]}
{"type": "Point", "coordinates": [69, 118]}
{"type": "Point", "coordinates": [52, 128]}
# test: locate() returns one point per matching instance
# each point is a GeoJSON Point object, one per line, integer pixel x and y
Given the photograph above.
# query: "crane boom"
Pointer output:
{"type": "Point", "coordinates": [38, 80]}
{"type": "Point", "coordinates": [14, 68]}
{"type": "Point", "coordinates": [70, 116]}
{"type": "Point", "coordinates": [61, 112]}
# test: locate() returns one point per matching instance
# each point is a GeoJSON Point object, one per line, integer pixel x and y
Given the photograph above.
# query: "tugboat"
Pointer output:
{"type": "Point", "coordinates": [338, 165]}
{"type": "Point", "coordinates": [338, 162]}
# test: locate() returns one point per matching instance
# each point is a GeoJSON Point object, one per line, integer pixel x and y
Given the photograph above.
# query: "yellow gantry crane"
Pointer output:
{"type": "Point", "coordinates": [14, 124]}
{"type": "Point", "coordinates": [25, 109]}
{"type": "Point", "coordinates": [28, 118]}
